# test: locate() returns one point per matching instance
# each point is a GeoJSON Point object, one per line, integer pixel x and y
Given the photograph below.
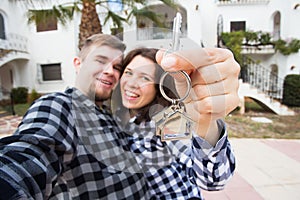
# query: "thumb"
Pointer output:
{"type": "Point", "coordinates": [173, 61]}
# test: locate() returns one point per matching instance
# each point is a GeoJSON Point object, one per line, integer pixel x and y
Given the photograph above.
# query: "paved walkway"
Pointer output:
{"type": "Point", "coordinates": [8, 124]}
{"type": "Point", "coordinates": [267, 169]}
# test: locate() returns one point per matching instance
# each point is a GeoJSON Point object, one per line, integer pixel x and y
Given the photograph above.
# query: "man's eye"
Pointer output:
{"type": "Point", "coordinates": [101, 61]}
{"type": "Point", "coordinates": [117, 67]}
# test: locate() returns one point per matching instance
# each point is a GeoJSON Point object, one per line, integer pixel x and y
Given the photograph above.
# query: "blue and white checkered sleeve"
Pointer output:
{"type": "Point", "coordinates": [31, 159]}
{"type": "Point", "coordinates": [213, 166]}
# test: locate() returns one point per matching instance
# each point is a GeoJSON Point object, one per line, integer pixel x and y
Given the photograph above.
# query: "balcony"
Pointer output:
{"type": "Point", "coordinates": [258, 49]}
{"type": "Point", "coordinates": [241, 2]}
{"type": "Point", "coordinates": [13, 47]}
{"type": "Point", "coordinates": [153, 33]}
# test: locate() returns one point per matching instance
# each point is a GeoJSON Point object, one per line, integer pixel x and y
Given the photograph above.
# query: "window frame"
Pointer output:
{"type": "Point", "coordinates": [50, 25]}
{"type": "Point", "coordinates": [44, 72]}
{"type": "Point", "coordinates": [237, 26]}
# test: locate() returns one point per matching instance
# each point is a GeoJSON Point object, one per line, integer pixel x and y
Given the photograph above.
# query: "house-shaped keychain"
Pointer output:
{"type": "Point", "coordinates": [176, 126]}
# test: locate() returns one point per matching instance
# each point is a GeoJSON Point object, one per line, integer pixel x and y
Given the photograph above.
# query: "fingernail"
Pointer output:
{"type": "Point", "coordinates": [168, 61]}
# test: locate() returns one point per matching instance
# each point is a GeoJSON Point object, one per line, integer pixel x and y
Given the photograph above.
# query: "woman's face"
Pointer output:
{"type": "Point", "coordinates": [137, 83]}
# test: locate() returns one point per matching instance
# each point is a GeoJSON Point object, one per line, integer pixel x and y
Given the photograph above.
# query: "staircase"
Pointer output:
{"type": "Point", "coordinates": [263, 86]}
{"type": "Point", "coordinates": [246, 90]}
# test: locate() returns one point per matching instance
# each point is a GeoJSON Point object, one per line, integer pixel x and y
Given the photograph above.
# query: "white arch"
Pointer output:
{"type": "Point", "coordinates": [276, 25]}
{"type": "Point", "coordinates": [3, 19]}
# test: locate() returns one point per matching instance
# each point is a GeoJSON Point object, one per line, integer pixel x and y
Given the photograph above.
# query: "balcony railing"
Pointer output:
{"type": "Point", "coordinates": [258, 49]}
{"type": "Point", "coordinates": [241, 2]}
{"type": "Point", "coordinates": [12, 45]}
{"type": "Point", "coordinates": [14, 42]}
{"type": "Point", "coordinates": [153, 33]}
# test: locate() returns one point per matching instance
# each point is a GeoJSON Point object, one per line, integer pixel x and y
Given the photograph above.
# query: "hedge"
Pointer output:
{"type": "Point", "coordinates": [19, 94]}
{"type": "Point", "coordinates": [291, 90]}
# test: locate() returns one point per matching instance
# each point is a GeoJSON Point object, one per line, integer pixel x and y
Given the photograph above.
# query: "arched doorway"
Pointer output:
{"type": "Point", "coordinates": [2, 27]}
{"type": "Point", "coordinates": [276, 25]}
{"type": "Point", "coordinates": [219, 30]}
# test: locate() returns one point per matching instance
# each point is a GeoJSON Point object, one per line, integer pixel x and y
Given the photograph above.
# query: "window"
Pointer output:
{"type": "Point", "coordinates": [51, 72]}
{"type": "Point", "coordinates": [49, 25]}
{"type": "Point", "coordinates": [2, 27]}
{"type": "Point", "coordinates": [238, 26]}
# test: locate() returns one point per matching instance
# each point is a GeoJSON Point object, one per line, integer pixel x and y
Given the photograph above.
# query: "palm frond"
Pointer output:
{"type": "Point", "coordinates": [170, 3]}
{"type": "Point", "coordinates": [148, 14]}
{"type": "Point", "coordinates": [117, 20]}
{"type": "Point", "coordinates": [59, 13]}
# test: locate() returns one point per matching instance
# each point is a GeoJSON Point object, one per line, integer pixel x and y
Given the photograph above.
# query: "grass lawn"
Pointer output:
{"type": "Point", "coordinates": [242, 126]}
{"type": "Point", "coordinates": [19, 109]}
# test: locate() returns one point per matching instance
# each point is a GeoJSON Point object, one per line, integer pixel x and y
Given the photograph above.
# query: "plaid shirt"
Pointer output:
{"type": "Point", "coordinates": [67, 148]}
{"type": "Point", "coordinates": [178, 169]}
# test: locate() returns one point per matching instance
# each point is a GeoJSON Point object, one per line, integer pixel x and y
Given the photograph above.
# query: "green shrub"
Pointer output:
{"type": "Point", "coordinates": [19, 94]}
{"type": "Point", "coordinates": [291, 90]}
{"type": "Point", "coordinates": [33, 96]}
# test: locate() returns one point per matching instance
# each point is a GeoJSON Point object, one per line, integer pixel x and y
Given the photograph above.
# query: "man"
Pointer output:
{"type": "Point", "coordinates": [69, 147]}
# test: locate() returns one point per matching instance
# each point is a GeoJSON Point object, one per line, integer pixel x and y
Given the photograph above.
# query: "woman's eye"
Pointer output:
{"type": "Point", "coordinates": [146, 78]}
{"type": "Point", "coordinates": [128, 72]}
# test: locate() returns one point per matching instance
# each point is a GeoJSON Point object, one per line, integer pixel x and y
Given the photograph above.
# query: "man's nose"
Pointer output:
{"type": "Point", "coordinates": [108, 69]}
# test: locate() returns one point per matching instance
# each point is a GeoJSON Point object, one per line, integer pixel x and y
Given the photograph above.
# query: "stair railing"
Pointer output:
{"type": "Point", "coordinates": [265, 80]}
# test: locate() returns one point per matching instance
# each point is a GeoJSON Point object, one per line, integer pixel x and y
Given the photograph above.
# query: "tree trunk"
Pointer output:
{"type": "Point", "coordinates": [90, 22]}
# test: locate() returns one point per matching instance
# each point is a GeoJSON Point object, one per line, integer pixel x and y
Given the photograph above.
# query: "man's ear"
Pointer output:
{"type": "Point", "coordinates": [77, 64]}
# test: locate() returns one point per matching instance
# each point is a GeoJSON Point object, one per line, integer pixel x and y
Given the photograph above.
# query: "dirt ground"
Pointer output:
{"type": "Point", "coordinates": [242, 126]}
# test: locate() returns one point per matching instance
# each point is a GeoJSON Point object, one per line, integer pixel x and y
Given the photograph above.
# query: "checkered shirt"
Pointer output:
{"type": "Point", "coordinates": [179, 169]}
{"type": "Point", "coordinates": [67, 148]}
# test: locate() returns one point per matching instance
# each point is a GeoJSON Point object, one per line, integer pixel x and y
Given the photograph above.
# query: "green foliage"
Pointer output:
{"type": "Point", "coordinates": [235, 40]}
{"type": "Point", "coordinates": [19, 94]}
{"type": "Point", "coordinates": [287, 48]}
{"type": "Point", "coordinates": [21, 109]}
{"type": "Point", "coordinates": [265, 38]}
{"type": "Point", "coordinates": [250, 36]}
{"type": "Point", "coordinates": [60, 13]}
{"type": "Point", "coordinates": [33, 96]}
{"type": "Point", "coordinates": [291, 90]}
{"type": "Point", "coordinates": [64, 12]}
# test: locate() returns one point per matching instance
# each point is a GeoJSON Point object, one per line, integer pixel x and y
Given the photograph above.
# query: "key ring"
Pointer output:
{"type": "Point", "coordinates": [188, 81]}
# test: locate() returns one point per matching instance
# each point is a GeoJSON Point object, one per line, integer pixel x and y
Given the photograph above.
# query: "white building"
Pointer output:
{"type": "Point", "coordinates": [42, 60]}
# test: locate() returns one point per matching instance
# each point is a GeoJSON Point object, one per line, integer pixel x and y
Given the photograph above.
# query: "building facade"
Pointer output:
{"type": "Point", "coordinates": [40, 57]}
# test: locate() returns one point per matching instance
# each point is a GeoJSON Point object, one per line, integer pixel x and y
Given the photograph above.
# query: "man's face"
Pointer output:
{"type": "Point", "coordinates": [99, 72]}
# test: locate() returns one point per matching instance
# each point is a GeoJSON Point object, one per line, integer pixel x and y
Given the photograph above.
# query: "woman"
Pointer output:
{"type": "Point", "coordinates": [139, 85]}
{"type": "Point", "coordinates": [174, 170]}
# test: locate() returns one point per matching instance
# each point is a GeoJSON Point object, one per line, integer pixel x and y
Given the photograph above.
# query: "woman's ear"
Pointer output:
{"type": "Point", "coordinates": [77, 64]}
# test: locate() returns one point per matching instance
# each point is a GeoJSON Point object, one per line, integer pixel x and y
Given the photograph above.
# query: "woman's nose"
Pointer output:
{"type": "Point", "coordinates": [133, 82]}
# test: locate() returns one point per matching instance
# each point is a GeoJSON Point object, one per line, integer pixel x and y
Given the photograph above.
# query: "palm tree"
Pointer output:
{"type": "Point", "coordinates": [90, 22]}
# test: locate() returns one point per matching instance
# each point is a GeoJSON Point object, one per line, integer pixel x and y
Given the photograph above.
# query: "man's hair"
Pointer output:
{"type": "Point", "coordinates": [101, 40]}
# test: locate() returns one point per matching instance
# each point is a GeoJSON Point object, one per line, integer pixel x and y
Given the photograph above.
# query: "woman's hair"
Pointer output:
{"type": "Point", "coordinates": [168, 85]}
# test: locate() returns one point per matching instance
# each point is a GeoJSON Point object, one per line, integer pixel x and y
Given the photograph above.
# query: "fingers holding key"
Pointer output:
{"type": "Point", "coordinates": [191, 60]}
{"type": "Point", "coordinates": [214, 79]}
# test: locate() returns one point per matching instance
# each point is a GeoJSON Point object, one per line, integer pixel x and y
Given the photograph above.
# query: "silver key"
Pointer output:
{"type": "Point", "coordinates": [173, 123]}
